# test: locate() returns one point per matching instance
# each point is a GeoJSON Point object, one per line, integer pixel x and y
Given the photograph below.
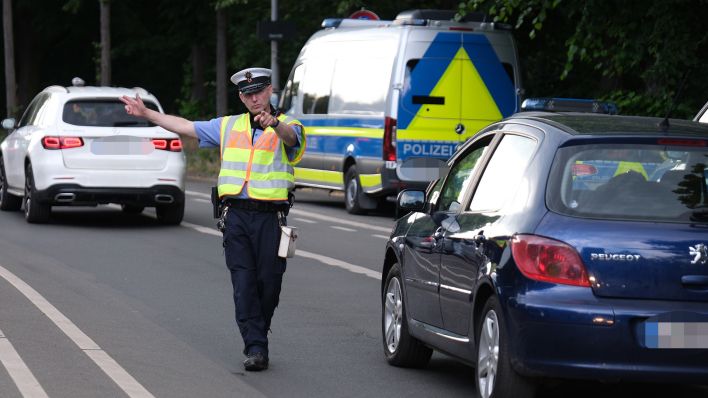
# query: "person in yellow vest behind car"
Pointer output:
{"type": "Point", "coordinates": [258, 151]}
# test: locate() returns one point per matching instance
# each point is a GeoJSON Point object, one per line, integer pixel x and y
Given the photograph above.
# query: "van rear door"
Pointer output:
{"type": "Point", "coordinates": [454, 85]}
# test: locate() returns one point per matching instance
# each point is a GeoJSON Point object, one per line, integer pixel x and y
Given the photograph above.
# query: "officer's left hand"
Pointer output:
{"type": "Point", "coordinates": [265, 119]}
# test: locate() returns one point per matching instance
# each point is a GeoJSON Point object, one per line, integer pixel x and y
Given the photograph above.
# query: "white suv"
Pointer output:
{"type": "Point", "coordinates": [76, 146]}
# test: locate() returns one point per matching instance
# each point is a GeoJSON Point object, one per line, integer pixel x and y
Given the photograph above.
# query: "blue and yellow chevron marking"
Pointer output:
{"type": "Point", "coordinates": [451, 61]}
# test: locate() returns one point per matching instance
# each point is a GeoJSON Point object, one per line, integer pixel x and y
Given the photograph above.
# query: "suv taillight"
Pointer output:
{"type": "Point", "coordinates": [168, 144]}
{"type": "Point", "coordinates": [389, 139]}
{"type": "Point", "coordinates": [54, 142]}
{"type": "Point", "coordinates": [548, 260]}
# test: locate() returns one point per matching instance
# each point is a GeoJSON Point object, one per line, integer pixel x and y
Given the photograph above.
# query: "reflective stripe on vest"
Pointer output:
{"type": "Point", "coordinates": [263, 164]}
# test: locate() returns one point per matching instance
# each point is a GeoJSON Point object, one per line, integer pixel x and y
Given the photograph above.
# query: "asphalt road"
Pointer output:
{"type": "Point", "coordinates": [98, 303]}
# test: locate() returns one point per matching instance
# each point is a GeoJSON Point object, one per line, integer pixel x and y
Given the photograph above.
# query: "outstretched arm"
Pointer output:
{"type": "Point", "coordinates": [179, 125]}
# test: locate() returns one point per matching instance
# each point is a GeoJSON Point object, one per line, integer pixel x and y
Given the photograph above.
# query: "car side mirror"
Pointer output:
{"type": "Point", "coordinates": [411, 200]}
{"type": "Point", "coordinates": [9, 123]}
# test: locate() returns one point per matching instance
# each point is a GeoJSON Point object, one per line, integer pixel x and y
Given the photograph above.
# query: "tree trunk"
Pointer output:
{"type": "Point", "coordinates": [105, 42]}
{"type": "Point", "coordinates": [9, 42]}
{"type": "Point", "coordinates": [221, 79]}
{"type": "Point", "coordinates": [198, 62]}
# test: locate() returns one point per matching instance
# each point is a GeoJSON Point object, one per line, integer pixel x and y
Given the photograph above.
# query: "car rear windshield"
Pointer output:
{"type": "Point", "coordinates": [102, 113]}
{"type": "Point", "coordinates": [661, 181]}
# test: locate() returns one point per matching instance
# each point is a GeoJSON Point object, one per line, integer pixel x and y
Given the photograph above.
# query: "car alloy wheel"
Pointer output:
{"type": "Point", "coordinates": [400, 348]}
{"type": "Point", "coordinates": [495, 376]}
{"type": "Point", "coordinates": [393, 314]}
{"type": "Point", "coordinates": [488, 354]}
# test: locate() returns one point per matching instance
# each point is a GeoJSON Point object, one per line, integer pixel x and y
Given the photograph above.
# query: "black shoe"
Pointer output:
{"type": "Point", "coordinates": [256, 362]}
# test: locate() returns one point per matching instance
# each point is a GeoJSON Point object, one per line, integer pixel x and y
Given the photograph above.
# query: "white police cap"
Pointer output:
{"type": "Point", "coordinates": [251, 80]}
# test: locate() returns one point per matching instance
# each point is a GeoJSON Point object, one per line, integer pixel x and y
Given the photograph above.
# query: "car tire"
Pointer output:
{"type": "Point", "coordinates": [132, 209]}
{"type": "Point", "coordinates": [494, 375]}
{"type": "Point", "coordinates": [35, 212]}
{"type": "Point", "coordinates": [8, 201]}
{"type": "Point", "coordinates": [401, 349]}
{"type": "Point", "coordinates": [171, 214]}
{"type": "Point", "coordinates": [353, 192]}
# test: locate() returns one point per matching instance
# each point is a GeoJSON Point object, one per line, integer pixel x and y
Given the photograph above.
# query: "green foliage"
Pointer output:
{"type": "Point", "coordinates": [635, 52]}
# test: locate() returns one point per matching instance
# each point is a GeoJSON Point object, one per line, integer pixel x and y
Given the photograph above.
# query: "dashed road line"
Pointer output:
{"type": "Point", "coordinates": [304, 220]}
{"type": "Point", "coordinates": [357, 269]}
{"type": "Point", "coordinates": [18, 370]}
{"type": "Point", "coordinates": [343, 228]}
{"type": "Point", "coordinates": [380, 236]}
{"type": "Point", "coordinates": [110, 367]}
{"type": "Point", "coordinates": [308, 214]}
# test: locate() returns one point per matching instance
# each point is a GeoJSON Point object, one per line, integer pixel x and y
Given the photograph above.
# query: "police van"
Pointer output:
{"type": "Point", "coordinates": [386, 103]}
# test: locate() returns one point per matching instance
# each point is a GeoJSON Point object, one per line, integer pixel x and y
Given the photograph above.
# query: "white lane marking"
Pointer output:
{"type": "Point", "coordinates": [202, 229]}
{"type": "Point", "coordinates": [306, 221]}
{"type": "Point", "coordinates": [308, 214]}
{"type": "Point", "coordinates": [380, 236]}
{"type": "Point", "coordinates": [343, 228]}
{"type": "Point", "coordinates": [18, 370]}
{"type": "Point", "coordinates": [202, 200]}
{"type": "Point", "coordinates": [357, 269]}
{"type": "Point", "coordinates": [340, 264]}
{"type": "Point", "coordinates": [104, 361]}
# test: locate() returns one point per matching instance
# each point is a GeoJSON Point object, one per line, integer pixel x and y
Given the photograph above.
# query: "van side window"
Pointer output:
{"type": "Point", "coordinates": [316, 87]}
{"type": "Point", "coordinates": [291, 92]}
{"type": "Point", "coordinates": [360, 85]}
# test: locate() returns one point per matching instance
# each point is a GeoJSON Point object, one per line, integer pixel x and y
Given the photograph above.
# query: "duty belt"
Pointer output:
{"type": "Point", "coordinates": [255, 205]}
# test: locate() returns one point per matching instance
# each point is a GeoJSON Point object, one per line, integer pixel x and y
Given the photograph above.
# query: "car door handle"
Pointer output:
{"type": "Point", "coordinates": [695, 281]}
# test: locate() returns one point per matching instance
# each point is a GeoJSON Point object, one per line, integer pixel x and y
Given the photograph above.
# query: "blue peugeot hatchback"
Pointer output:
{"type": "Point", "coordinates": [561, 245]}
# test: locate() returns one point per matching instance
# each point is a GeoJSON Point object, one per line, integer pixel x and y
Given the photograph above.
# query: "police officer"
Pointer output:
{"type": "Point", "coordinates": [258, 151]}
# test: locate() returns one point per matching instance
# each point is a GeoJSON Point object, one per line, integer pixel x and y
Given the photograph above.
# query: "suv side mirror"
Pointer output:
{"type": "Point", "coordinates": [411, 200]}
{"type": "Point", "coordinates": [9, 123]}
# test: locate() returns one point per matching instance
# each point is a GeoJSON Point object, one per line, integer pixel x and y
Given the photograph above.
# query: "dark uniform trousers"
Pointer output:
{"type": "Point", "coordinates": [251, 242]}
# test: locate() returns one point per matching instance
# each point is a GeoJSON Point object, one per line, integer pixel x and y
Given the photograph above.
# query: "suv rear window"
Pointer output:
{"type": "Point", "coordinates": [102, 113]}
{"type": "Point", "coordinates": [645, 182]}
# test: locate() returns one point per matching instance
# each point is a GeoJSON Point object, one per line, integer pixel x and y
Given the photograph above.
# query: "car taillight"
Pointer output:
{"type": "Point", "coordinates": [54, 142]}
{"type": "Point", "coordinates": [548, 260]}
{"type": "Point", "coordinates": [168, 144]}
{"type": "Point", "coordinates": [389, 139]}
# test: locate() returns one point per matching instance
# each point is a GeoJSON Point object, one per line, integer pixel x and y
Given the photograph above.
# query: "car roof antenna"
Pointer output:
{"type": "Point", "coordinates": [664, 124]}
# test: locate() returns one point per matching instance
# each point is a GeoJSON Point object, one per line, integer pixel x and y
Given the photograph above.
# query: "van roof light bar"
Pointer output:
{"type": "Point", "coordinates": [569, 105]}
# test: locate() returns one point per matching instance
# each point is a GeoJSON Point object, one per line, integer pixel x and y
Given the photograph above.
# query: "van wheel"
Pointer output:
{"type": "Point", "coordinates": [495, 376]}
{"type": "Point", "coordinates": [400, 348]}
{"type": "Point", "coordinates": [353, 192]}
{"type": "Point", "coordinates": [8, 202]}
{"type": "Point", "coordinates": [171, 214]}
{"type": "Point", "coordinates": [35, 212]}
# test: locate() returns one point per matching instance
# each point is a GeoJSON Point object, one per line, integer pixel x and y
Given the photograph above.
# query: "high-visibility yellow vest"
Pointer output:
{"type": "Point", "coordinates": [623, 167]}
{"type": "Point", "coordinates": [263, 164]}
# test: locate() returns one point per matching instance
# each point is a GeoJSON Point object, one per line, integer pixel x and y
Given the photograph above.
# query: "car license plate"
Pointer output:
{"type": "Point", "coordinates": [676, 331]}
{"type": "Point", "coordinates": [122, 145]}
